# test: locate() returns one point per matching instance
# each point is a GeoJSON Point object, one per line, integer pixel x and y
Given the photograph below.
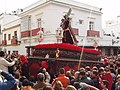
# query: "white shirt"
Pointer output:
{"type": "Point", "coordinates": [4, 64]}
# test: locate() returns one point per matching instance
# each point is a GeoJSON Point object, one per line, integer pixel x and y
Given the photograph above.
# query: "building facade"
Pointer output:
{"type": "Point", "coordinates": [39, 23]}
{"type": "Point", "coordinates": [112, 32]}
{"type": "Point", "coordinates": [10, 32]}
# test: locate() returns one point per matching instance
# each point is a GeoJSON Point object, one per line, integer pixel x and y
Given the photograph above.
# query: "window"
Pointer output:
{"type": "Point", "coordinates": [4, 36]}
{"type": "Point", "coordinates": [15, 34]}
{"type": "Point", "coordinates": [91, 25]}
{"type": "Point", "coordinates": [81, 21]}
{"type": "Point", "coordinates": [39, 22]}
{"type": "Point", "coordinates": [9, 36]}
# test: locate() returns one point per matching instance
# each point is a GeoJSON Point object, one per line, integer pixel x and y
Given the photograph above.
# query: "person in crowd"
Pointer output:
{"type": "Point", "coordinates": [4, 63]}
{"type": "Point", "coordinates": [68, 74]}
{"type": "Point", "coordinates": [104, 85]}
{"type": "Point", "coordinates": [95, 78]}
{"type": "Point", "coordinates": [83, 78]}
{"type": "Point", "coordinates": [47, 75]}
{"type": "Point", "coordinates": [70, 87]}
{"type": "Point", "coordinates": [58, 86]}
{"type": "Point", "coordinates": [32, 79]}
{"type": "Point", "coordinates": [77, 85]}
{"type": "Point", "coordinates": [108, 76]}
{"type": "Point", "coordinates": [85, 86]}
{"type": "Point", "coordinates": [18, 82]}
{"type": "Point", "coordinates": [24, 66]}
{"type": "Point", "coordinates": [41, 82]}
{"type": "Point", "coordinates": [61, 77]}
{"type": "Point", "coordinates": [27, 85]}
{"type": "Point", "coordinates": [9, 83]}
{"type": "Point", "coordinates": [76, 78]}
{"type": "Point", "coordinates": [117, 84]}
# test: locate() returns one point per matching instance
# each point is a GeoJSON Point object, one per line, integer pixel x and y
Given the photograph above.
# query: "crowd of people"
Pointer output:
{"type": "Point", "coordinates": [15, 75]}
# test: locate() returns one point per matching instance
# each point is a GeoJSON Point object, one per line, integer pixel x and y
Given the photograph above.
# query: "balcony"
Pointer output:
{"type": "Point", "coordinates": [25, 34]}
{"type": "Point", "coordinates": [75, 31]}
{"type": "Point", "coordinates": [93, 33]}
{"type": "Point", "coordinates": [35, 31]}
{"type": "Point", "coordinates": [14, 41]}
{"type": "Point", "coordinates": [4, 42]}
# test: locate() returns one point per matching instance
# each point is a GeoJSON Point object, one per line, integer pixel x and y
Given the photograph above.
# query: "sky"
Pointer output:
{"type": "Point", "coordinates": [110, 8]}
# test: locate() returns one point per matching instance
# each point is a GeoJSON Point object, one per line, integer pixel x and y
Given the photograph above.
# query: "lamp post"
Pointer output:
{"type": "Point", "coordinates": [59, 35]}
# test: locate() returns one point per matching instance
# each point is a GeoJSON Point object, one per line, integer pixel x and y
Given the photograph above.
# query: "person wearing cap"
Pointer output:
{"type": "Point", "coordinates": [9, 83]}
{"type": "Point", "coordinates": [41, 82]}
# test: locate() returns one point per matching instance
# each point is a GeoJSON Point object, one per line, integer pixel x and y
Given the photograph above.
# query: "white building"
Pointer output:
{"type": "Point", "coordinates": [10, 26]}
{"type": "Point", "coordinates": [46, 15]}
{"type": "Point", "coordinates": [112, 32]}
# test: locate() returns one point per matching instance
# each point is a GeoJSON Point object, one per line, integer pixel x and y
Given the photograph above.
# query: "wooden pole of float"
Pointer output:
{"type": "Point", "coordinates": [82, 51]}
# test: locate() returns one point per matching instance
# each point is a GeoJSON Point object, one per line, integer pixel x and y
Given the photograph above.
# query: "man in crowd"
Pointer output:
{"type": "Point", "coordinates": [4, 63]}
{"type": "Point", "coordinates": [62, 78]}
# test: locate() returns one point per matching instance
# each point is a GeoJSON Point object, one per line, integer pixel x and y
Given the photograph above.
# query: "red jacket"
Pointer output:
{"type": "Point", "coordinates": [109, 78]}
{"type": "Point", "coordinates": [64, 80]}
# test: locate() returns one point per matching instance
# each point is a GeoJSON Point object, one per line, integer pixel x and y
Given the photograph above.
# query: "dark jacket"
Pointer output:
{"type": "Point", "coordinates": [7, 85]}
{"type": "Point", "coordinates": [86, 80]}
{"type": "Point", "coordinates": [95, 81]}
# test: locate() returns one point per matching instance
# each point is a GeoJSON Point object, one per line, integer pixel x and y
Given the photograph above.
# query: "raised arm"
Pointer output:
{"type": "Point", "coordinates": [9, 83]}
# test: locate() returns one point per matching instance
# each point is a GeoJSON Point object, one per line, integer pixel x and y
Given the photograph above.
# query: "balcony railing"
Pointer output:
{"type": "Point", "coordinates": [25, 34]}
{"type": "Point", "coordinates": [35, 31]}
{"type": "Point", "coordinates": [93, 33]}
{"type": "Point", "coordinates": [4, 42]}
{"type": "Point", "coordinates": [14, 41]}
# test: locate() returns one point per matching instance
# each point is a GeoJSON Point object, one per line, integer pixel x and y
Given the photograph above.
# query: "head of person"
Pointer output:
{"type": "Point", "coordinates": [2, 54]}
{"type": "Point", "coordinates": [118, 79]}
{"type": "Point", "coordinates": [62, 71]}
{"type": "Point", "coordinates": [27, 85]}
{"type": "Point", "coordinates": [94, 73]}
{"type": "Point", "coordinates": [70, 87]}
{"type": "Point", "coordinates": [58, 85]}
{"type": "Point", "coordinates": [76, 74]}
{"type": "Point", "coordinates": [77, 85]}
{"type": "Point", "coordinates": [104, 84]}
{"type": "Point", "coordinates": [94, 68]}
{"type": "Point", "coordinates": [68, 74]}
{"type": "Point", "coordinates": [87, 68]}
{"type": "Point", "coordinates": [101, 71]}
{"type": "Point", "coordinates": [40, 77]}
{"type": "Point", "coordinates": [17, 75]}
{"type": "Point", "coordinates": [107, 68]}
{"type": "Point", "coordinates": [82, 74]}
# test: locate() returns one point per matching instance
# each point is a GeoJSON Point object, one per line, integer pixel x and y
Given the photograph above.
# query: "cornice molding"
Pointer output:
{"type": "Point", "coordinates": [6, 29]}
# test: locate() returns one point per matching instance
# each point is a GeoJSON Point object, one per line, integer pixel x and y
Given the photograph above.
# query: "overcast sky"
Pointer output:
{"type": "Point", "coordinates": [110, 8]}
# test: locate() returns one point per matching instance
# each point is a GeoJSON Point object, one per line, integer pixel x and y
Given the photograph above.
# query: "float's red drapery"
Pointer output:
{"type": "Point", "coordinates": [66, 47]}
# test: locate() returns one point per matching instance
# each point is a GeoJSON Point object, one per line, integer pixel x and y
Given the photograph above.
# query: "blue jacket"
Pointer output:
{"type": "Point", "coordinates": [7, 85]}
